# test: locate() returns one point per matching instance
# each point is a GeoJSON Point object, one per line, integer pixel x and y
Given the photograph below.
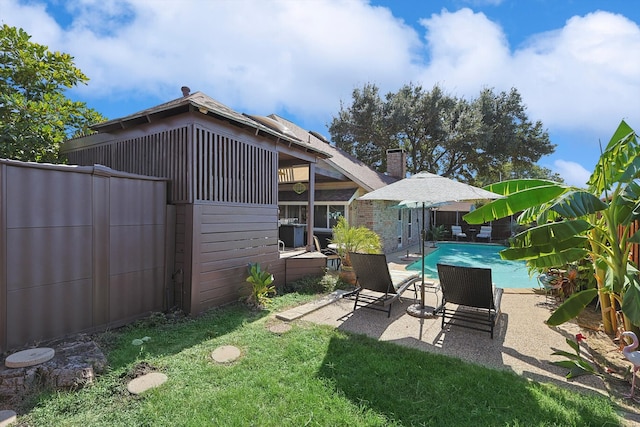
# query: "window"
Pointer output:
{"type": "Point", "coordinates": [326, 216]}
{"type": "Point", "coordinates": [295, 213]}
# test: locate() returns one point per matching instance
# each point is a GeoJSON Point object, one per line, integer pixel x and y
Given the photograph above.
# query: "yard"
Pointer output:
{"type": "Point", "coordinates": [310, 375]}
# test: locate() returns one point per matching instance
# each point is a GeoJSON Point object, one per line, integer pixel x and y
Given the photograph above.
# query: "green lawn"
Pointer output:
{"type": "Point", "coordinates": [310, 376]}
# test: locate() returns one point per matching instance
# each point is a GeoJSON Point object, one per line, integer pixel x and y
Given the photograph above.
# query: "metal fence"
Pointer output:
{"type": "Point", "coordinates": [81, 248]}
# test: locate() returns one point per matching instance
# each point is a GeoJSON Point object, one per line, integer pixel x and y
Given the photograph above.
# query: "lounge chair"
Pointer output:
{"type": "Point", "coordinates": [332, 256]}
{"type": "Point", "coordinates": [485, 233]}
{"type": "Point", "coordinates": [471, 289]}
{"type": "Point", "coordinates": [456, 231]}
{"type": "Point", "coordinates": [376, 286]}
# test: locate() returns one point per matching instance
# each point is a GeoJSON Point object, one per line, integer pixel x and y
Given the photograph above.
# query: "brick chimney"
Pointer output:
{"type": "Point", "coordinates": [397, 163]}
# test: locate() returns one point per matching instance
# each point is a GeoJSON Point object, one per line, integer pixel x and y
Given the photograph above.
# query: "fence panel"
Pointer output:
{"type": "Point", "coordinates": [82, 248]}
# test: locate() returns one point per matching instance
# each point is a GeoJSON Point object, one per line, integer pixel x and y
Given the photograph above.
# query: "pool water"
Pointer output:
{"type": "Point", "coordinates": [505, 274]}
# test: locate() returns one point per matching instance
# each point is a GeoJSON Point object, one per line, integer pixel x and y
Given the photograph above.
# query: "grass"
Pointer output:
{"type": "Point", "coordinates": [310, 376]}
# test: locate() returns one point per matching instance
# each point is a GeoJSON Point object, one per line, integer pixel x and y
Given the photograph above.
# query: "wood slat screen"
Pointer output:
{"type": "Point", "coordinates": [162, 154]}
{"type": "Point", "coordinates": [228, 170]}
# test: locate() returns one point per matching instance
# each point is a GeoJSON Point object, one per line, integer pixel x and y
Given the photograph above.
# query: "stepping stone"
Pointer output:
{"type": "Point", "coordinates": [7, 417]}
{"type": "Point", "coordinates": [145, 382]}
{"type": "Point", "coordinates": [225, 354]}
{"type": "Point", "coordinates": [30, 357]}
{"type": "Point", "coordinates": [280, 328]}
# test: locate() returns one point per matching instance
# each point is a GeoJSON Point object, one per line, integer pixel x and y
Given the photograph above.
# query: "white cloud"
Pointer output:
{"type": "Point", "coordinates": [305, 57]}
{"type": "Point", "coordinates": [252, 54]}
{"type": "Point", "coordinates": [585, 75]}
{"type": "Point", "coordinates": [468, 52]}
{"type": "Point", "coordinates": [572, 173]}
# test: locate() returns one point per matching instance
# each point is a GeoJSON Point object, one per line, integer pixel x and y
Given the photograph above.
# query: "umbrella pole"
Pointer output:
{"type": "Point", "coordinates": [423, 238]}
{"type": "Point", "coordinates": [419, 309]}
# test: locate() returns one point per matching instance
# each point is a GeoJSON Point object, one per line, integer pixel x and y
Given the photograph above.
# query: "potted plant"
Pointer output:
{"type": "Point", "coordinates": [353, 239]}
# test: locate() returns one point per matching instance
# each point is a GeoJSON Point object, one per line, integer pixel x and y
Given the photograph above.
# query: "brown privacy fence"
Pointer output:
{"type": "Point", "coordinates": [81, 248]}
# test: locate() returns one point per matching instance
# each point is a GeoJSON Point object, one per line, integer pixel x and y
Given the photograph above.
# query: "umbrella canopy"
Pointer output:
{"type": "Point", "coordinates": [426, 190]}
{"type": "Point", "coordinates": [430, 189]}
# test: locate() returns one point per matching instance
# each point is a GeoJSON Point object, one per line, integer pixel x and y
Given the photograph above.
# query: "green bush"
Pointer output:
{"type": "Point", "coordinates": [312, 285]}
{"type": "Point", "coordinates": [262, 288]}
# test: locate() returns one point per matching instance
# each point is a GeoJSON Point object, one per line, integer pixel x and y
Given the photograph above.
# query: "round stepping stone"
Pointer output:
{"type": "Point", "coordinates": [30, 357]}
{"type": "Point", "coordinates": [145, 382]}
{"type": "Point", "coordinates": [280, 328]}
{"type": "Point", "coordinates": [225, 354]}
{"type": "Point", "coordinates": [7, 417]}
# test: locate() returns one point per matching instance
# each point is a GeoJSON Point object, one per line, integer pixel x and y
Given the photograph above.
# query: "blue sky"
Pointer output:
{"type": "Point", "coordinates": [576, 63]}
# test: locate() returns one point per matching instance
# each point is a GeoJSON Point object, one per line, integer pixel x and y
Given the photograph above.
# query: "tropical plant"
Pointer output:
{"type": "Point", "coordinates": [576, 364]}
{"type": "Point", "coordinates": [571, 224]}
{"type": "Point", "coordinates": [436, 233]}
{"type": "Point", "coordinates": [354, 239]}
{"type": "Point", "coordinates": [262, 288]}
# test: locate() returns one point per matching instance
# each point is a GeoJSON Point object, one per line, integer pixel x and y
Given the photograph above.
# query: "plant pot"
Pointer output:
{"type": "Point", "coordinates": [347, 274]}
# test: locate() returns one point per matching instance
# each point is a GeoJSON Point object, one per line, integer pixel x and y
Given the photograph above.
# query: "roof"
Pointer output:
{"type": "Point", "coordinates": [342, 195]}
{"type": "Point", "coordinates": [198, 101]}
{"type": "Point", "coordinates": [351, 167]}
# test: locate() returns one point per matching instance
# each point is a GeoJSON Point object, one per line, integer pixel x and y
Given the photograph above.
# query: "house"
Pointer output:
{"type": "Point", "coordinates": [223, 172]}
{"type": "Point", "coordinates": [237, 182]}
{"type": "Point", "coordinates": [339, 180]}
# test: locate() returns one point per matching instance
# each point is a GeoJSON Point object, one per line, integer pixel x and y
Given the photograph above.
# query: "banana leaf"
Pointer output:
{"type": "Point", "coordinates": [631, 300]}
{"type": "Point", "coordinates": [558, 259]}
{"type": "Point", "coordinates": [506, 188]}
{"type": "Point", "coordinates": [546, 233]}
{"type": "Point", "coordinates": [553, 246]}
{"type": "Point", "coordinates": [578, 203]}
{"type": "Point", "coordinates": [515, 203]}
{"type": "Point", "coordinates": [621, 151]}
{"type": "Point", "coordinates": [572, 307]}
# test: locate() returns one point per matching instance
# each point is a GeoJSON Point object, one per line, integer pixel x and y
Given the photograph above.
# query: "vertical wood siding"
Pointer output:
{"type": "Point", "coordinates": [162, 154]}
{"type": "Point", "coordinates": [232, 171]}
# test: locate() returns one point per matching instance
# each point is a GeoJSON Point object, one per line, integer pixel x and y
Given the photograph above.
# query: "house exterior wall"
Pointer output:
{"type": "Point", "coordinates": [80, 249]}
{"type": "Point", "coordinates": [224, 184]}
{"type": "Point", "coordinates": [382, 218]}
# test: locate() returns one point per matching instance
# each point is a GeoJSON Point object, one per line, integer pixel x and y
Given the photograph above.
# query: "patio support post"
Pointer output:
{"type": "Point", "coordinates": [310, 206]}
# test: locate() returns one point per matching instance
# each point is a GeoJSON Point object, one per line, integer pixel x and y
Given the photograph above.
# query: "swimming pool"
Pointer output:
{"type": "Point", "coordinates": [505, 274]}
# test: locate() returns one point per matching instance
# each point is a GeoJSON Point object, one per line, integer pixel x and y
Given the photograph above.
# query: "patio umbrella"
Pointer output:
{"type": "Point", "coordinates": [427, 190]}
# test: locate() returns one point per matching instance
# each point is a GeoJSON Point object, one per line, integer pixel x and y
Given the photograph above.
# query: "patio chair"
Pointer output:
{"type": "Point", "coordinates": [471, 289]}
{"type": "Point", "coordinates": [376, 286]}
{"type": "Point", "coordinates": [485, 233]}
{"type": "Point", "coordinates": [332, 256]}
{"type": "Point", "coordinates": [456, 231]}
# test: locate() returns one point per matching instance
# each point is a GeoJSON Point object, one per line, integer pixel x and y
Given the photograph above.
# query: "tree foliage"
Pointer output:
{"type": "Point", "coordinates": [35, 115]}
{"type": "Point", "coordinates": [477, 141]}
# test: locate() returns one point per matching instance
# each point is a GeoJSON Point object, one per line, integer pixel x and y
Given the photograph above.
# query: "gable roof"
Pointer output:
{"type": "Point", "coordinates": [204, 104]}
{"type": "Point", "coordinates": [351, 167]}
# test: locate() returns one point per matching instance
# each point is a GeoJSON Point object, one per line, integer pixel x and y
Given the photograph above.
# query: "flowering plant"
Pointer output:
{"type": "Point", "coordinates": [576, 364]}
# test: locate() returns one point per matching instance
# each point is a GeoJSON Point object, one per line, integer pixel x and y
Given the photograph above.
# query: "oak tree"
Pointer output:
{"type": "Point", "coordinates": [476, 141]}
